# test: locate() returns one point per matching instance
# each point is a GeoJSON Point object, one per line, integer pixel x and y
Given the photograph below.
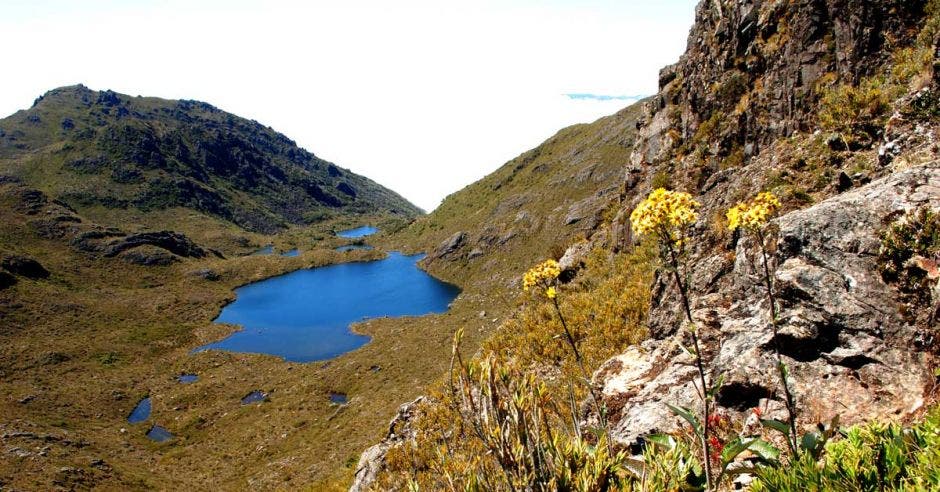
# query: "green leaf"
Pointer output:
{"type": "Point", "coordinates": [717, 385]}
{"type": "Point", "coordinates": [810, 442]}
{"type": "Point", "coordinates": [733, 448]}
{"type": "Point", "coordinates": [665, 441]}
{"type": "Point", "coordinates": [776, 425]}
{"type": "Point", "coordinates": [689, 417]}
{"type": "Point", "coordinates": [765, 450]}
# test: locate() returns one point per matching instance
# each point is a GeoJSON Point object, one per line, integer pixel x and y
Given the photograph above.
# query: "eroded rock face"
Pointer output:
{"type": "Point", "coordinates": [6, 280]}
{"type": "Point", "coordinates": [148, 255]}
{"type": "Point", "coordinates": [849, 350]}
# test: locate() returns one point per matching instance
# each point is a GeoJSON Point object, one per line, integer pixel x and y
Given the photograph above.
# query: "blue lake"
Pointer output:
{"type": "Point", "coordinates": [358, 232]}
{"type": "Point", "coordinates": [305, 315]}
{"type": "Point", "coordinates": [291, 253]}
{"type": "Point", "coordinates": [187, 378]}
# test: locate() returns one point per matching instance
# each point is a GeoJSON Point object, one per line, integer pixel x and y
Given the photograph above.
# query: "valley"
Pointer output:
{"type": "Point", "coordinates": [737, 274]}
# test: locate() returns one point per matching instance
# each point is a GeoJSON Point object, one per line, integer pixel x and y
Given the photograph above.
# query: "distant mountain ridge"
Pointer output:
{"type": "Point", "coordinates": [99, 148]}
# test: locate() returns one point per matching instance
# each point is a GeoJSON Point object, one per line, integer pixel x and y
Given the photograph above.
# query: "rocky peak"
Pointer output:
{"type": "Point", "coordinates": [753, 69]}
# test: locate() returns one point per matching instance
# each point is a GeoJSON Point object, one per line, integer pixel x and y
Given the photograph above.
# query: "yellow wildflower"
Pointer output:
{"type": "Point", "coordinates": [550, 293]}
{"type": "Point", "coordinates": [664, 211]}
{"type": "Point", "coordinates": [542, 274]}
{"type": "Point", "coordinates": [755, 214]}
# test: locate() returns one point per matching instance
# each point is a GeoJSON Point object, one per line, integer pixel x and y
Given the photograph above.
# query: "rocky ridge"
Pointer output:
{"type": "Point", "coordinates": [54, 220]}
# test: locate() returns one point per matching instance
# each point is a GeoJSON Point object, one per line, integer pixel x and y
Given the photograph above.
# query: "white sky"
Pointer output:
{"type": "Point", "coordinates": [424, 97]}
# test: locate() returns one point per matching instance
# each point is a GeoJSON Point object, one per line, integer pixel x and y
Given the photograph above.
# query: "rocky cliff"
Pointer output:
{"type": "Point", "coordinates": [850, 350]}
{"type": "Point", "coordinates": [755, 71]}
{"type": "Point", "coordinates": [753, 105]}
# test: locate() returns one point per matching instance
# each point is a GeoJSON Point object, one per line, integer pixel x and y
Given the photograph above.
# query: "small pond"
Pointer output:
{"type": "Point", "coordinates": [358, 232]}
{"type": "Point", "coordinates": [187, 378]}
{"type": "Point", "coordinates": [254, 397]}
{"type": "Point", "coordinates": [159, 434]}
{"type": "Point", "coordinates": [338, 398]}
{"type": "Point", "coordinates": [353, 247]}
{"type": "Point", "coordinates": [292, 253]}
{"type": "Point", "coordinates": [305, 315]}
{"type": "Point", "coordinates": [267, 250]}
{"type": "Point", "coordinates": [141, 412]}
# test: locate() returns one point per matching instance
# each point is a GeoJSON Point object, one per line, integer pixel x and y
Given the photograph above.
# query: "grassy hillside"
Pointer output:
{"type": "Point", "coordinates": [112, 156]}
{"type": "Point", "coordinates": [531, 208]}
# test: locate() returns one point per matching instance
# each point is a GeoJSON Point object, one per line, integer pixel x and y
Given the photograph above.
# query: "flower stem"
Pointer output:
{"type": "Point", "coordinates": [706, 429]}
{"type": "Point", "coordinates": [584, 374]}
{"type": "Point", "coordinates": [781, 368]}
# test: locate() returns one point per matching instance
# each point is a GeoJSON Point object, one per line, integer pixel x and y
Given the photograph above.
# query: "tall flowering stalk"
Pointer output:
{"type": "Point", "coordinates": [668, 216]}
{"type": "Point", "coordinates": [753, 218]}
{"type": "Point", "coordinates": [543, 279]}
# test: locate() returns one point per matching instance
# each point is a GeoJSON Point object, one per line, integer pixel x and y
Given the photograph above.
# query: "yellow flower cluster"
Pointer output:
{"type": "Point", "coordinates": [542, 275]}
{"type": "Point", "coordinates": [664, 211]}
{"type": "Point", "coordinates": [755, 214]}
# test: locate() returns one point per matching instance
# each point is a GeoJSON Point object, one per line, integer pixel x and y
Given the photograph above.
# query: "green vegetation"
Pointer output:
{"type": "Point", "coordinates": [140, 155]}
{"type": "Point", "coordinates": [855, 112]}
{"type": "Point", "coordinates": [872, 457]}
{"type": "Point", "coordinates": [532, 378]}
{"type": "Point", "coordinates": [509, 418]}
{"type": "Point", "coordinates": [909, 255]}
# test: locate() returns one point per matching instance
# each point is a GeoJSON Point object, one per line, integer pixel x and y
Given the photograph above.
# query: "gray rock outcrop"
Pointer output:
{"type": "Point", "coordinates": [451, 245]}
{"type": "Point", "coordinates": [842, 335]}
{"type": "Point", "coordinates": [372, 460]}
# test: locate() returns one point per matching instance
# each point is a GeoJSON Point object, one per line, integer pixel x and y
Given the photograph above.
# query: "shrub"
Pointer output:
{"type": "Point", "coordinates": [910, 250]}
{"type": "Point", "coordinates": [871, 457]}
{"type": "Point", "coordinates": [857, 112]}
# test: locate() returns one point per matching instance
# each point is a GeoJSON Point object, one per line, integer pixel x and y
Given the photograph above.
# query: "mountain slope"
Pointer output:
{"type": "Point", "coordinates": [103, 149]}
{"type": "Point", "coordinates": [530, 208]}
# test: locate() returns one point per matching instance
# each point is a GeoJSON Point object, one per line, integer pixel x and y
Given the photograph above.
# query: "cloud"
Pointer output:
{"type": "Point", "coordinates": [587, 96]}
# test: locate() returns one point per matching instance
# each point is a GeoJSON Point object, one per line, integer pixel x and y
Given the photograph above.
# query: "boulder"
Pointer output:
{"type": "Point", "coordinates": [6, 280]}
{"type": "Point", "coordinates": [451, 245]}
{"type": "Point", "coordinates": [173, 242]}
{"type": "Point", "coordinates": [23, 266]}
{"type": "Point", "coordinates": [841, 332]}
{"type": "Point", "coordinates": [148, 255]}
{"type": "Point", "coordinates": [207, 274]}
{"type": "Point", "coordinates": [574, 256]}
